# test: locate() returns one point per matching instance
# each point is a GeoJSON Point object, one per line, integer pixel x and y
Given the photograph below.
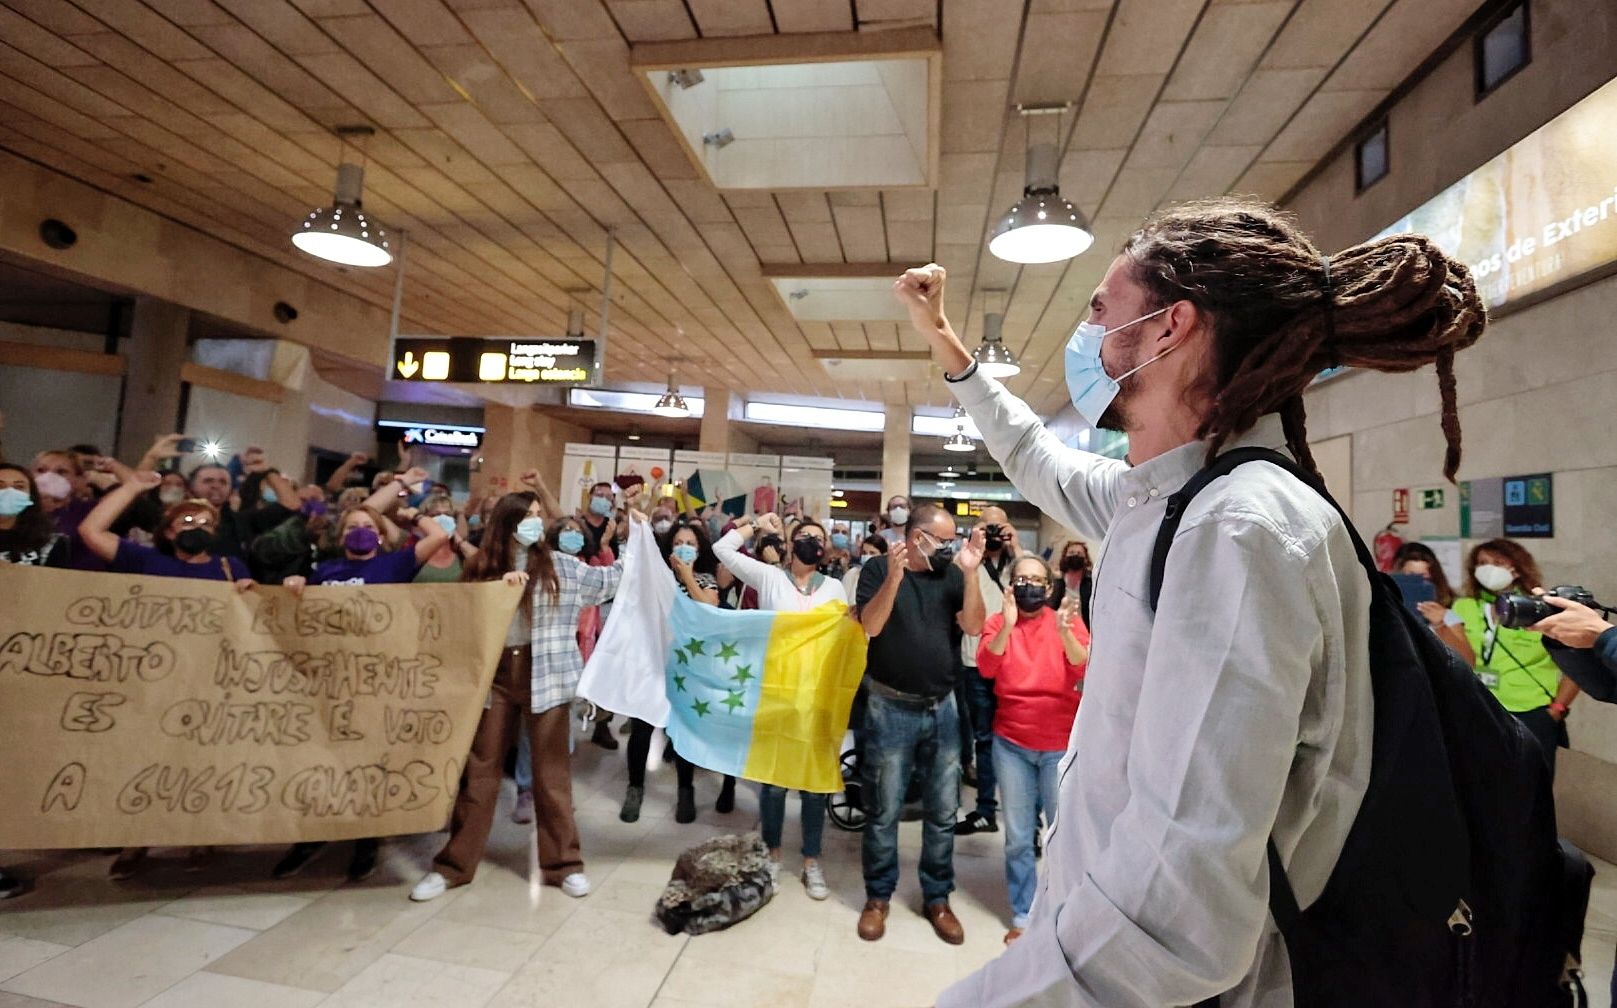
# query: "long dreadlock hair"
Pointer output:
{"type": "Point", "coordinates": [1281, 312]}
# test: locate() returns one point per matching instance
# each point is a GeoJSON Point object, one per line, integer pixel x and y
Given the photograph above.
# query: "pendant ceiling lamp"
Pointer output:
{"type": "Point", "coordinates": [959, 441]}
{"type": "Point", "coordinates": [672, 404]}
{"type": "Point", "coordinates": [341, 233]}
{"type": "Point", "coordinates": [993, 357]}
{"type": "Point", "coordinates": [1044, 226]}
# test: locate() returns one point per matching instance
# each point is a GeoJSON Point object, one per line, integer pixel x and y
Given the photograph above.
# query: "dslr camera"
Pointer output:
{"type": "Point", "coordinates": [997, 535]}
{"type": "Point", "coordinates": [1517, 611]}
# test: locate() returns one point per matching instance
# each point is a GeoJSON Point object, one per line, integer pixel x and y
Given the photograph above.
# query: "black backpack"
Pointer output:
{"type": "Point", "coordinates": [1451, 889]}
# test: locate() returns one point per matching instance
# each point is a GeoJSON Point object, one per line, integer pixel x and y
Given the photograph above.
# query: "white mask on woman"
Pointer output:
{"type": "Point", "coordinates": [1494, 577]}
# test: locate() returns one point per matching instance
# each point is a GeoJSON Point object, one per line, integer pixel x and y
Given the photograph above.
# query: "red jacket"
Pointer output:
{"type": "Point", "coordinates": [1037, 688]}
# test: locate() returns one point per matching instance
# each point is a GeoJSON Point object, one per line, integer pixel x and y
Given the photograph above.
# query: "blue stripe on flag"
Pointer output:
{"type": "Point", "coordinates": [715, 676]}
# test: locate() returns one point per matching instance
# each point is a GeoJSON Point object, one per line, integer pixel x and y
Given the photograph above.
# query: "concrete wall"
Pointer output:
{"type": "Point", "coordinates": [1537, 391]}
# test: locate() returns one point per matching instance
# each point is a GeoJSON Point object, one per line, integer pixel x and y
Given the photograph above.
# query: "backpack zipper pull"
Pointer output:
{"type": "Point", "coordinates": [1460, 922]}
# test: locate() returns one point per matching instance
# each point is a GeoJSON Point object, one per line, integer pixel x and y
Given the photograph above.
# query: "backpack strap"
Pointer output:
{"type": "Point", "coordinates": [1282, 898]}
{"type": "Point", "coordinates": [1225, 464]}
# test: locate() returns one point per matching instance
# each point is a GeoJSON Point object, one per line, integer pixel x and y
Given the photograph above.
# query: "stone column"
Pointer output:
{"type": "Point", "coordinates": [895, 454]}
{"type": "Point", "coordinates": [156, 349]}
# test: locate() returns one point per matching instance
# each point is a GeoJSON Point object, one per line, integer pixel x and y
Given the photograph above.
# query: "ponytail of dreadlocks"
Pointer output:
{"type": "Point", "coordinates": [1281, 312]}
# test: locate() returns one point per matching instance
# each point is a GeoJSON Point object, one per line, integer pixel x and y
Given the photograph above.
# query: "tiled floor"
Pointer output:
{"type": "Point", "coordinates": [230, 936]}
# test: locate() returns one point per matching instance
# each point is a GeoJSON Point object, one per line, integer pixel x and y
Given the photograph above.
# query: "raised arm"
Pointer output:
{"type": "Point", "coordinates": [753, 572]}
{"type": "Point", "coordinates": [1077, 488]}
{"type": "Point", "coordinates": [339, 477]}
{"type": "Point", "coordinates": [874, 613]}
{"type": "Point", "coordinates": [548, 505]}
{"type": "Point", "coordinates": [96, 529]}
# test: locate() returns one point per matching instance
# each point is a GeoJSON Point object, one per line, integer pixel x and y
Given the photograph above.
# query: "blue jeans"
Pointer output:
{"type": "Point", "coordinates": [980, 705]}
{"type": "Point", "coordinates": [772, 812]}
{"type": "Point", "coordinates": [524, 772]}
{"type": "Point", "coordinates": [900, 736]}
{"type": "Point", "coordinates": [1027, 780]}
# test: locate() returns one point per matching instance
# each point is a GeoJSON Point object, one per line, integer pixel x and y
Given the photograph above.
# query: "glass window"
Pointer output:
{"type": "Point", "coordinates": [1371, 158]}
{"type": "Point", "coordinates": [1502, 48]}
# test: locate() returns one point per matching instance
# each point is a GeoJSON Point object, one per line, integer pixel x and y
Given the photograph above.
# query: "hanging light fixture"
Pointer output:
{"type": "Point", "coordinates": [672, 404]}
{"type": "Point", "coordinates": [993, 357]}
{"type": "Point", "coordinates": [959, 441]}
{"type": "Point", "coordinates": [341, 233]}
{"type": "Point", "coordinates": [1043, 227]}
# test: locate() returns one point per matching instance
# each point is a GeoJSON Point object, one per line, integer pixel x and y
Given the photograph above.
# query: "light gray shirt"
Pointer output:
{"type": "Point", "coordinates": [1241, 708]}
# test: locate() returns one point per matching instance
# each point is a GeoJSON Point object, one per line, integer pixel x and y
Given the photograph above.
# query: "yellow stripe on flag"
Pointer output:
{"type": "Point", "coordinates": [811, 673]}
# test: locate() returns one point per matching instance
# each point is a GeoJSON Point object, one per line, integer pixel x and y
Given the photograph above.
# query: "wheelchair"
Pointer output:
{"type": "Point", "coordinates": [847, 810]}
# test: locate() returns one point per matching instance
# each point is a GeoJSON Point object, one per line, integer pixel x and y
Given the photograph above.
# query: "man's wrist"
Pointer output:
{"type": "Point", "coordinates": [1557, 707]}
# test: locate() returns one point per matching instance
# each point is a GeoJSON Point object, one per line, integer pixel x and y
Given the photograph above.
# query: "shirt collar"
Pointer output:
{"type": "Point", "coordinates": [1168, 472]}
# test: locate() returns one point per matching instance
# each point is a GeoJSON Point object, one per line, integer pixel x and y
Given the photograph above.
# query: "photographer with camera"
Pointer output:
{"type": "Point", "coordinates": [1577, 635]}
{"type": "Point", "coordinates": [1511, 659]}
{"type": "Point", "coordinates": [975, 694]}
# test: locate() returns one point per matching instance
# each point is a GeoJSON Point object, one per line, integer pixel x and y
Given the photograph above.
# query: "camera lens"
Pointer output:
{"type": "Point", "coordinates": [1517, 611]}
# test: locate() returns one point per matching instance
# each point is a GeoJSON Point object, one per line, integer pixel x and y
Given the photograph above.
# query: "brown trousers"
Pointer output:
{"type": "Point", "coordinates": [559, 854]}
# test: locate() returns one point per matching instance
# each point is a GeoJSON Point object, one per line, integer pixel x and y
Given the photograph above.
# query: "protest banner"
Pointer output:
{"type": "Point", "coordinates": [148, 711]}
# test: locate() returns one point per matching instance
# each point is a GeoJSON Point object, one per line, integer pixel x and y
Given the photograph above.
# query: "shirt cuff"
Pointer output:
{"type": "Point", "coordinates": [970, 370]}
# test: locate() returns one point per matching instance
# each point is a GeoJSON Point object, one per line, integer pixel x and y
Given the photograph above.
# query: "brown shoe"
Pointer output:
{"type": "Point", "coordinates": [945, 924]}
{"type": "Point", "coordinates": [873, 920]}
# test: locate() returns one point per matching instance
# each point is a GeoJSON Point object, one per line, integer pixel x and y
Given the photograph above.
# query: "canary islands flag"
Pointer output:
{"type": "Point", "coordinates": [764, 696]}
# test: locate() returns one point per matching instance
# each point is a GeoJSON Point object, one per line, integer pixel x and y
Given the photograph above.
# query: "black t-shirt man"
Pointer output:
{"type": "Point", "coordinates": [918, 651]}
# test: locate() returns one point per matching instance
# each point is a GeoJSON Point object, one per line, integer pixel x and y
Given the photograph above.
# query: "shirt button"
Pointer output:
{"type": "Point", "coordinates": [1153, 491]}
{"type": "Point", "coordinates": [1133, 501]}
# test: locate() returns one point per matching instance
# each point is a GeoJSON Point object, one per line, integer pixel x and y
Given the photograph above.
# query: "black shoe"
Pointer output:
{"type": "Point", "coordinates": [296, 859]}
{"type": "Point", "coordinates": [11, 885]}
{"type": "Point", "coordinates": [727, 796]}
{"type": "Point", "coordinates": [603, 736]}
{"type": "Point", "coordinates": [363, 865]}
{"type": "Point", "coordinates": [685, 806]}
{"type": "Point", "coordinates": [975, 823]}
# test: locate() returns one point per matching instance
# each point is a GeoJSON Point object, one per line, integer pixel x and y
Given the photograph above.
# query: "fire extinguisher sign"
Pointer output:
{"type": "Point", "coordinates": [1400, 506]}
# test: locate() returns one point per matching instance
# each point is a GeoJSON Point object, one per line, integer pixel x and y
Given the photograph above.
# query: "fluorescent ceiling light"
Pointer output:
{"type": "Point", "coordinates": [625, 402]}
{"type": "Point", "coordinates": [823, 417]}
{"type": "Point", "coordinates": [942, 426]}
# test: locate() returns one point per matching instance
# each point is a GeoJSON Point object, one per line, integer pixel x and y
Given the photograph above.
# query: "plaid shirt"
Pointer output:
{"type": "Point", "coordinates": [557, 663]}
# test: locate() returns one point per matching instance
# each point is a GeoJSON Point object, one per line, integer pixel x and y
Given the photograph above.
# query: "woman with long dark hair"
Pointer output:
{"type": "Point", "coordinates": [534, 684]}
{"type": "Point", "coordinates": [686, 550]}
{"type": "Point", "coordinates": [27, 534]}
{"type": "Point", "coordinates": [1418, 559]}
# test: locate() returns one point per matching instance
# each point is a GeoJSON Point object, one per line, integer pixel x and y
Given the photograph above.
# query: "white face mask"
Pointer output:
{"type": "Point", "coordinates": [899, 515]}
{"type": "Point", "coordinates": [1088, 385]}
{"type": "Point", "coordinates": [1494, 577]}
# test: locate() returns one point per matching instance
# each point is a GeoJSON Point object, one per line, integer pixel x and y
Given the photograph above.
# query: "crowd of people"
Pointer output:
{"type": "Point", "coordinates": [976, 661]}
{"type": "Point", "coordinates": [975, 665]}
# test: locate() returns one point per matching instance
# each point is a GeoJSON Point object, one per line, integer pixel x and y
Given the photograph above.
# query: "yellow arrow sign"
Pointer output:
{"type": "Point", "coordinates": [409, 365]}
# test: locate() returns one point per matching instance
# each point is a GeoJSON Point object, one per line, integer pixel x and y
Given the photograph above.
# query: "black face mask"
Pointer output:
{"type": "Point", "coordinates": [1073, 564]}
{"type": "Point", "coordinates": [194, 541]}
{"type": "Point", "coordinates": [808, 549]}
{"type": "Point", "coordinates": [1030, 598]}
{"type": "Point", "coordinates": [941, 560]}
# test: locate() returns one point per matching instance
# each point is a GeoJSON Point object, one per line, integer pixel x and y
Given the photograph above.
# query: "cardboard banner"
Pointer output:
{"type": "Point", "coordinates": [150, 711]}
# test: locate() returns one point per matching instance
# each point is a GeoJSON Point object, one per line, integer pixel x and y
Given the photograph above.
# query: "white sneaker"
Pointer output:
{"type": "Point", "coordinates": [814, 881]}
{"type": "Point", "coordinates": [576, 885]}
{"type": "Point", "coordinates": [774, 872]}
{"type": "Point", "coordinates": [429, 888]}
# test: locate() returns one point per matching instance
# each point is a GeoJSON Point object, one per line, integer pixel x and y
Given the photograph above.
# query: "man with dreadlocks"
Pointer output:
{"type": "Point", "coordinates": [1240, 708]}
